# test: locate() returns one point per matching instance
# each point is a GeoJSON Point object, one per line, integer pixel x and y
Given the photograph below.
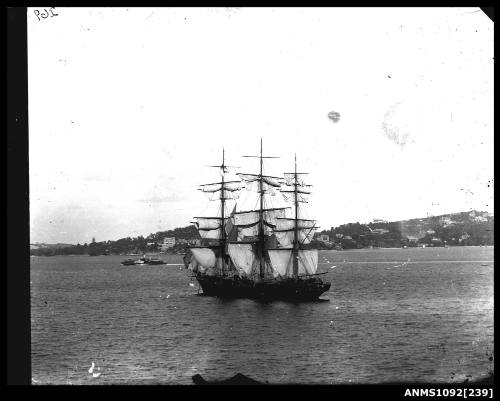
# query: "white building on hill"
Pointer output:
{"type": "Point", "coordinates": [168, 242]}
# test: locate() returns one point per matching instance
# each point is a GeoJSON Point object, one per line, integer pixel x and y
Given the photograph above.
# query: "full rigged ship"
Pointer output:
{"type": "Point", "coordinates": [259, 253]}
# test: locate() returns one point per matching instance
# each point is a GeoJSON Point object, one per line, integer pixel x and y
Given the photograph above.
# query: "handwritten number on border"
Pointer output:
{"type": "Point", "coordinates": [45, 14]}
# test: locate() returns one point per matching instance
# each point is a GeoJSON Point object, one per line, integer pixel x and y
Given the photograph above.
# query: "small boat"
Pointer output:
{"type": "Point", "coordinates": [155, 261]}
{"type": "Point", "coordinates": [128, 262]}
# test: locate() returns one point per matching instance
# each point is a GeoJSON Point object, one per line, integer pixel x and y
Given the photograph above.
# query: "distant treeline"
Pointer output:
{"type": "Point", "coordinates": [461, 229]}
{"type": "Point", "coordinates": [126, 245]}
{"type": "Point", "coordinates": [458, 229]}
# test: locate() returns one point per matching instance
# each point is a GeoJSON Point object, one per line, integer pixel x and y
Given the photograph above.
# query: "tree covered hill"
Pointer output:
{"type": "Point", "coordinates": [465, 228]}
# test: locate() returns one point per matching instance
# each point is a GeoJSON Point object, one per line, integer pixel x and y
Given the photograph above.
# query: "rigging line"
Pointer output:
{"type": "Point", "coordinates": [307, 235]}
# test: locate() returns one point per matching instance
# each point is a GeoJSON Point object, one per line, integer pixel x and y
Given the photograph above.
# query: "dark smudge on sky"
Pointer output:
{"type": "Point", "coordinates": [334, 116]}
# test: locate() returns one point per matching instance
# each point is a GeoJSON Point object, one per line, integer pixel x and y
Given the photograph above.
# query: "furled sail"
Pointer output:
{"type": "Point", "coordinates": [230, 186]}
{"type": "Point", "coordinates": [292, 189]}
{"type": "Point", "coordinates": [217, 195]}
{"type": "Point", "coordinates": [214, 190]}
{"type": "Point", "coordinates": [243, 257]}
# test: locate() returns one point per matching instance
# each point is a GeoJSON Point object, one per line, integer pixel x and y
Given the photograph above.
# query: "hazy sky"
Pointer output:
{"type": "Point", "coordinates": [127, 107]}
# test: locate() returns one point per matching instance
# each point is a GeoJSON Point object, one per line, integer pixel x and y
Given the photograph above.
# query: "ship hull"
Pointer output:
{"type": "Point", "coordinates": [268, 290]}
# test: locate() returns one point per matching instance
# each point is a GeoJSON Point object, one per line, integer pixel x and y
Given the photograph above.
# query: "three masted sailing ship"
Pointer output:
{"type": "Point", "coordinates": [259, 253]}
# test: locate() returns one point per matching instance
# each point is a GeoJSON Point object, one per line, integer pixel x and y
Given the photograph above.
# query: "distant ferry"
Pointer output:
{"type": "Point", "coordinates": [155, 261]}
{"type": "Point", "coordinates": [143, 261]}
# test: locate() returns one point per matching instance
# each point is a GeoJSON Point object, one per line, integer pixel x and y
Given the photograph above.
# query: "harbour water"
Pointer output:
{"type": "Point", "coordinates": [405, 315]}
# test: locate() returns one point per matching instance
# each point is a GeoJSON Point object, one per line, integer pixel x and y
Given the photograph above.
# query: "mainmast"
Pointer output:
{"type": "Point", "coordinates": [265, 182]}
{"type": "Point", "coordinates": [295, 252]}
{"type": "Point", "coordinates": [261, 220]}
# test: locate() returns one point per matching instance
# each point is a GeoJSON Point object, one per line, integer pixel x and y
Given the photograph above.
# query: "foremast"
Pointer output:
{"type": "Point", "coordinates": [215, 227]}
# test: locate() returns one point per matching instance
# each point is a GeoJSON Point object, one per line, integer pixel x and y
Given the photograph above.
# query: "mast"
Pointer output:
{"type": "Point", "coordinates": [265, 182]}
{"type": "Point", "coordinates": [295, 230]}
{"type": "Point", "coordinates": [207, 226]}
{"type": "Point", "coordinates": [295, 226]}
{"type": "Point", "coordinates": [222, 240]}
{"type": "Point", "coordinates": [261, 220]}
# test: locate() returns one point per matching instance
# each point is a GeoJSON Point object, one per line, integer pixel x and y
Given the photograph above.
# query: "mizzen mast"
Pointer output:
{"type": "Point", "coordinates": [302, 228]}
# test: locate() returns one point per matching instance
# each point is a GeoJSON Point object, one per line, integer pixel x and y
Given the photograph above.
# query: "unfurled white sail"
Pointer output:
{"type": "Point", "coordinates": [246, 218]}
{"type": "Point", "coordinates": [210, 234]}
{"type": "Point", "coordinates": [290, 179]}
{"type": "Point", "coordinates": [290, 197]}
{"type": "Point", "coordinates": [204, 257]}
{"type": "Point", "coordinates": [285, 238]}
{"type": "Point", "coordinates": [243, 257]}
{"type": "Point", "coordinates": [208, 223]}
{"type": "Point", "coordinates": [289, 223]}
{"type": "Point", "coordinates": [195, 266]}
{"type": "Point", "coordinates": [210, 227]}
{"type": "Point", "coordinates": [252, 231]}
{"type": "Point", "coordinates": [254, 186]}
{"type": "Point", "coordinates": [252, 217]}
{"type": "Point", "coordinates": [308, 261]}
{"type": "Point", "coordinates": [269, 180]}
{"type": "Point", "coordinates": [281, 262]}
{"type": "Point", "coordinates": [248, 231]}
{"type": "Point", "coordinates": [231, 195]}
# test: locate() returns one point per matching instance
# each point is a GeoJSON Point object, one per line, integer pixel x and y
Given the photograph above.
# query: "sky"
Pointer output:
{"type": "Point", "coordinates": [128, 107]}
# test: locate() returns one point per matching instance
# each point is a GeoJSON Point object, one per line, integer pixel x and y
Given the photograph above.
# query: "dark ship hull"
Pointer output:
{"type": "Point", "coordinates": [294, 290]}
